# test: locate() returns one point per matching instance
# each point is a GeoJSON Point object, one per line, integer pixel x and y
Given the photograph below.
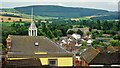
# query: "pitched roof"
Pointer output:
{"type": "Point", "coordinates": [85, 29]}
{"type": "Point", "coordinates": [25, 45]}
{"type": "Point", "coordinates": [106, 58]}
{"type": "Point", "coordinates": [32, 26]}
{"type": "Point", "coordinates": [89, 54]}
{"type": "Point", "coordinates": [92, 56]}
{"type": "Point", "coordinates": [111, 49]}
{"type": "Point", "coordinates": [117, 48]}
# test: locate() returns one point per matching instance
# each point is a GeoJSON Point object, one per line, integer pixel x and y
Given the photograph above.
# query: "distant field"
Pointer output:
{"type": "Point", "coordinates": [23, 17]}
{"type": "Point", "coordinates": [17, 16]}
{"type": "Point", "coordinates": [9, 13]}
{"type": "Point", "coordinates": [13, 19]}
{"type": "Point", "coordinates": [89, 17]}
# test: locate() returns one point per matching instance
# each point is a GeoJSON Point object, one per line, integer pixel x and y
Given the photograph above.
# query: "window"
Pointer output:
{"type": "Point", "coordinates": [52, 62]}
{"type": "Point", "coordinates": [36, 44]}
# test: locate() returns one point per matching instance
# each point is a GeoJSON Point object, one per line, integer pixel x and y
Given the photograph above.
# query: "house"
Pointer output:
{"type": "Point", "coordinates": [36, 50]}
{"type": "Point", "coordinates": [96, 30]}
{"type": "Point", "coordinates": [109, 57]}
{"type": "Point", "coordinates": [84, 30]}
{"type": "Point", "coordinates": [73, 43]}
{"type": "Point", "coordinates": [89, 42]}
{"type": "Point", "coordinates": [88, 56]}
{"type": "Point", "coordinates": [105, 35]}
{"type": "Point", "coordinates": [104, 40]}
{"type": "Point", "coordinates": [106, 59]}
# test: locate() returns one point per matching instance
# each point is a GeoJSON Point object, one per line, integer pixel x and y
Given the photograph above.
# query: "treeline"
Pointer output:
{"type": "Point", "coordinates": [59, 27]}
{"type": "Point", "coordinates": [11, 15]}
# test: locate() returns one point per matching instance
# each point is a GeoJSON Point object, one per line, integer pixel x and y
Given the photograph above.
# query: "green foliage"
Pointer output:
{"type": "Point", "coordinates": [79, 32]}
{"type": "Point", "coordinates": [57, 33]}
{"type": "Point", "coordinates": [71, 32]}
{"type": "Point", "coordinates": [115, 43]}
{"type": "Point", "coordinates": [88, 33]}
{"type": "Point", "coordinates": [95, 34]}
{"type": "Point", "coordinates": [50, 34]}
{"type": "Point", "coordinates": [9, 10]}
{"type": "Point", "coordinates": [96, 42]}
{"type": "Point", "coordinates": [11, 15]}
{"type": "Point", "coordinates": [13, 29]}
{"type": "Point", "coordinates": [59, 28]}
{"type": "Point", "coordinates": [84, 43]}
{"type": "Point", "coordinates": [40, 33]}
{"type": "Point", "coordinates": [112, 32]}
{"type": "Point", "coordinates": [83, 46]}
{"type": "Point", "coordinates": [116, 37]}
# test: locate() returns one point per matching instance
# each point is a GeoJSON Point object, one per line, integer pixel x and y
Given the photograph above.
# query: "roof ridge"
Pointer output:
{"type": "Point", "coordinates": [57, 45]}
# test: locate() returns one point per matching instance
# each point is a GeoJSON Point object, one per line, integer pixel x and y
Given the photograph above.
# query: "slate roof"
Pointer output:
{"type": "Point", "coordinates": [106, 58]}
{"type": "Point", "coordinates": [25, 46]}
{"type": "Point", "coordinates": [89, 54]}
{"type": "Point", "coordinates": [23, 63]}
{"type": "Point", "coordinates": [117, 48]}
{"type": "Point", "coordinates": [109, 56]}
{"type": "Point", "coordinates": [111, 49]}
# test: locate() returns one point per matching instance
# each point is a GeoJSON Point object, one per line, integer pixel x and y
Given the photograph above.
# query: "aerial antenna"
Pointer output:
{"type": "Point", "coordinates": [32, 15]}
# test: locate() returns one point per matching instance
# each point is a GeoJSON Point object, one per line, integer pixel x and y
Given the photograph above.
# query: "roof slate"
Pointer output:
{"type": "Point", "coordinates": [23, 63]}
{"type": "Point", "coordinates": [106, 58]}
{"type": "Point", "coordinates": [89, 54]}
{"type": "Point", "coordinates": [25, 45]}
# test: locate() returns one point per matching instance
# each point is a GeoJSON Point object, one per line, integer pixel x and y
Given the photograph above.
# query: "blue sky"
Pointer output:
{"type": "Point", "coordinates": [111, 5]}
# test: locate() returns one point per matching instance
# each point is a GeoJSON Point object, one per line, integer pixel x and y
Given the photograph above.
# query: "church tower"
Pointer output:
{"type": "Point", "coordinates": [32, 29]}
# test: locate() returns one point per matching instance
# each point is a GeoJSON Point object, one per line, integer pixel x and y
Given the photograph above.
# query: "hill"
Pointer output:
{"type": "Point", "coordinates": [66, 12]}
{"type": "Point", "coordinates": [60, 11]}
{"type": "Point", "coordinates": [107, 16]}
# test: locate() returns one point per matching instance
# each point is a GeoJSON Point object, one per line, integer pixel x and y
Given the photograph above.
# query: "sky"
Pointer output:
{"type": "Point", "coordinates": [111, 5]}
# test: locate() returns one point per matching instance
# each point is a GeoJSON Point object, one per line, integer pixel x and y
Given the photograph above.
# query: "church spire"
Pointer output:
{"type": "Point", "coordinates": [32, 29]}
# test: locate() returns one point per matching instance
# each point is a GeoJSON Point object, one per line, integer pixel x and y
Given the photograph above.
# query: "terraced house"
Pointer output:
{"type": "Point", "coordinates": [36, 50]}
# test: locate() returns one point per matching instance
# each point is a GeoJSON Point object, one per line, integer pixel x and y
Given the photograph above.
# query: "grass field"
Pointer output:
{"type": "Point", "coordinates": [9, 24]}
{"type": "Point", "coordinates": [13, 19]}
{"type": "Point", "coordinates": [9, 13]}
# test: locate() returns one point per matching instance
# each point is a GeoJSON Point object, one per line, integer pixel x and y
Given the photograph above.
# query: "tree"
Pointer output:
{"type": "Point", "coordinates": [57, 33]}
{"type": "Point", "coordinates": [115, 43]}
{"type": "Point", "coordinates": [1, 18]}
{"type": "Point", "coordinates": [84, 43]}
{"type": "Point", "coordinates": [20, 20]}
{"type": "Point", "coordinates": [44, 27]}
{"type": "Point", "coordinates": [40, 33]}
{"type": "Point", "coordinates": [79, 32]}
{"type": "Point", "coordinates": [96, 42]}
{"type": "Point", "coordinates": [116, 37]}
{"type": "Point", "coordinates": [83, 46]}
{"type": "Point", "coordinates": [98, 25]}
{"type": "Point", "coordinates": [9, 18]}
{"type": "Point", "coordinates": [71, 32]}
{"type": "Point", "coordinates": [50, 34]}
{"type": "Point", "coordinates": [88, 33]}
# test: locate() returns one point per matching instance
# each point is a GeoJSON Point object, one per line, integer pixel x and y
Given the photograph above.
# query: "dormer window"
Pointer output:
{"type": "Point", "coordinates": [36, 44]}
